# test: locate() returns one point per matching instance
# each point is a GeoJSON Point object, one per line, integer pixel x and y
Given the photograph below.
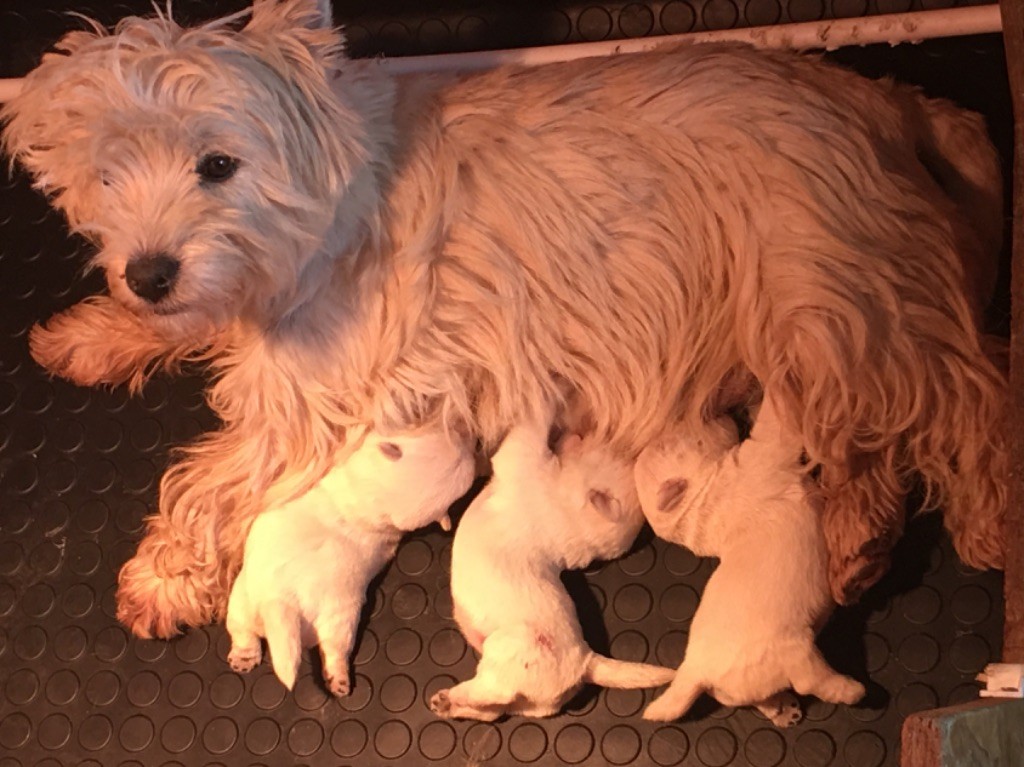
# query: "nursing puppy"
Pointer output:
{"type": "Point", "coordinates": [752, 506]}
{"type": "Point", "coordinates": [541, 514]}
{"type": "Point", "coordinates": [308, 562]}
{"type": "Point", "coordinates": [347, 247]}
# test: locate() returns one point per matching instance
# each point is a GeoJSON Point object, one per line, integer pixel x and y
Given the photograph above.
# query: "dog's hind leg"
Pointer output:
{"type": "Point", "coordinates": [811, 675]}
{"type": "Point", "coordinates": [680, 696]}
{"type": "Point", "coordinates": [862, 520]}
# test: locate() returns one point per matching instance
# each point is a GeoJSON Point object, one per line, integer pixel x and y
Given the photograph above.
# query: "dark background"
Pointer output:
{"type": "Point", "coordinates": [79, 469]}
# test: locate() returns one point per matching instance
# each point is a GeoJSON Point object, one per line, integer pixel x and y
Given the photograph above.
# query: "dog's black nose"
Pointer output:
{"type": "Point", "coordinates": [151, 276]}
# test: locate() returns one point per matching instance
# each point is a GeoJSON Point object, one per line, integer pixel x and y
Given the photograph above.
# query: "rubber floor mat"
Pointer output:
{"type": "Point", "coordinates": [79, 470]}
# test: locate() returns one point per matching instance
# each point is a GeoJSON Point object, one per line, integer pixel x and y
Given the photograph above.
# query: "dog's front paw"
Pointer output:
{"type": "Point", "coordinates": [63, 351]}
{"type": "Point", "coordinates": [441, 703]}
{"type": "Point", "coordinates": [95, 342]}
{"type": "Point", "coordinates": [51, 349]}
{"type": "Point", "coordinates": [244, 659]}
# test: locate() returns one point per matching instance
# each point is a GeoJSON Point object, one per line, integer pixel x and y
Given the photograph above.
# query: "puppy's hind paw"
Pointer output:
{"type": "Point", "coordinates": [441, 704]}
{"type": "Point", "coordinates": [243, 659]}
{"type": "Point", "coordinates": [339, 686]}
{"type": "Point", "coordinates": [783, 710]}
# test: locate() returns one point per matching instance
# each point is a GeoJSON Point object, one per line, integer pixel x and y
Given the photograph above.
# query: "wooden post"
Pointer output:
{"type": "Point", "coordinates": [1013, 636]}
{"type": "Point", "coordinates": [983, 732]}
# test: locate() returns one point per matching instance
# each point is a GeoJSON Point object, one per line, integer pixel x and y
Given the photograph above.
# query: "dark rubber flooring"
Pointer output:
{"type": "Point", "coordinates": [79, 470]}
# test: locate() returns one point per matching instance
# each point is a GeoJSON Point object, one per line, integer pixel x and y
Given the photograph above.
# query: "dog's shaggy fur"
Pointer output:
{"type": "Point", "coordinates": [308, 562]}
{"type": "Point", "coordinates": [452, 250]}
{"type": "Point", "coordinates": [752, 507]}
{"type": "Point", "coordinates": [542, 513]}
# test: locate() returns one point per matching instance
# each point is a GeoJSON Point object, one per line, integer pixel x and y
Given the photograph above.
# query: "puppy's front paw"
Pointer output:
{"type": "Point", "coordinates": [841, 689]}
{"type": "Point", "coordinates": [244, 659]}
{"type": "Point", "coordinates": [660, 711]}
{"type": "Point", "coordinates": [441, 704]}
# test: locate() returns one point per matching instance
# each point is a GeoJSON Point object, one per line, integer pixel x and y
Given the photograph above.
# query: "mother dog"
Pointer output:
{"type": "Point", "coordinates": [644, 234]}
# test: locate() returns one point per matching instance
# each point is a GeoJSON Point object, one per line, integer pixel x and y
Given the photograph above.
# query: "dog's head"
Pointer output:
{"type": "Point", "coordinates": [215, 167]}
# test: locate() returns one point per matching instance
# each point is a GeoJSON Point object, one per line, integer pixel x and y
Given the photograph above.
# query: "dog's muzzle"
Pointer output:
{"type": "Point", "coordinates": [152, 276]}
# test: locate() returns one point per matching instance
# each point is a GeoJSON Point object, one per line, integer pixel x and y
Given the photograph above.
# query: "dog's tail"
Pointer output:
{"type": "Point", "coordinates": [284, 639]}
{"type": "Point", "coordinates": [608, 672]}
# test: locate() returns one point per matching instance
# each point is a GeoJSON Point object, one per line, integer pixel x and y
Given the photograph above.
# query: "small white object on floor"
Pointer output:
{"type": "Point", "coordinates": [1003, 680]}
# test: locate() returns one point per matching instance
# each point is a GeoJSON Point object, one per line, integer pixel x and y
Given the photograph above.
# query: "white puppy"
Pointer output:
{"type": "Point", "coordinates": [753, 634]}
{"type": "Point", "coordinates": [540, 515]}
{"type": "Point", "coordinates": [340, 533]}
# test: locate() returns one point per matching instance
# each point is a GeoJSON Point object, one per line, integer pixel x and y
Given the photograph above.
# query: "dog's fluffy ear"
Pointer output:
{"type": "Point", "coordinates": [309, 21]}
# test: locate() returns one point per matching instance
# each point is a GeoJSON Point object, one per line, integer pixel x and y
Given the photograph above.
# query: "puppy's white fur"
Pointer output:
{"type": "Point", "coordinates": [540, 515]}
{"type": "Point", "coordinates": [308, 562]}
{"type": "Point", "coordinates": [752, 506]}
{"type": "Point", "coordinates": [451, 250]}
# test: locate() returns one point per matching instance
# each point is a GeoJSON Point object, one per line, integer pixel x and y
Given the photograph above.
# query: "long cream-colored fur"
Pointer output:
{"type": "Point", "coordinates": [634, 230]}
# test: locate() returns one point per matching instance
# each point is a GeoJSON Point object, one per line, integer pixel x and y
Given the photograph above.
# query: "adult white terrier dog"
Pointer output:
{"type": "Point", "coordinates": [308, 562]}
{"type": "Point", "coordinates": [349, 248]}
{"type": "Point", "coordinates": [541, 514]}
{"type": "Point", "coordinates": [751, 505]}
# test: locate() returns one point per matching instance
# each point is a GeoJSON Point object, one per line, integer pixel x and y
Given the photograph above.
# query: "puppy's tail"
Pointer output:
{"type": "Point", "coordinates": [676, 700]}
{"type": "Point", "coordinates": [608, 672]}
{"type": "Point", "coordinates": [284, 638]}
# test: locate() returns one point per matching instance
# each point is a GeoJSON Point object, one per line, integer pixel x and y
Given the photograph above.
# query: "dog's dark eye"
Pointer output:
{"type": "Point", "coordinates": [216, 167]}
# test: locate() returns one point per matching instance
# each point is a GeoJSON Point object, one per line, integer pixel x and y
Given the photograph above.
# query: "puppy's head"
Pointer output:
{"type": "Point", "coordinates": [598, 498]}
{"type": "Point", "coordinates": [212, 166]}
{"type": "Point", "coordinates": [411, 479]}
{"type": "Point", "coordinates": [668, 472]}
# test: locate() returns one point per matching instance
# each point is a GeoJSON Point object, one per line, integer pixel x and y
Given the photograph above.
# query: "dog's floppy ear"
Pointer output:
{"type": "Point", "coordinates": [671, 493]}
{"type": "Point", "coordinates": [605, 504]}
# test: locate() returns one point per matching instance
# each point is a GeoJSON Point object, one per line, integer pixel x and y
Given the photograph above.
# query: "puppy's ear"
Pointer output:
{"type": "Point", "coordinates": [390, 450]}
{"type": "Point", "coordinates": [605, 504]}
{"type": "Point", "coordinates": [671, 493]}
